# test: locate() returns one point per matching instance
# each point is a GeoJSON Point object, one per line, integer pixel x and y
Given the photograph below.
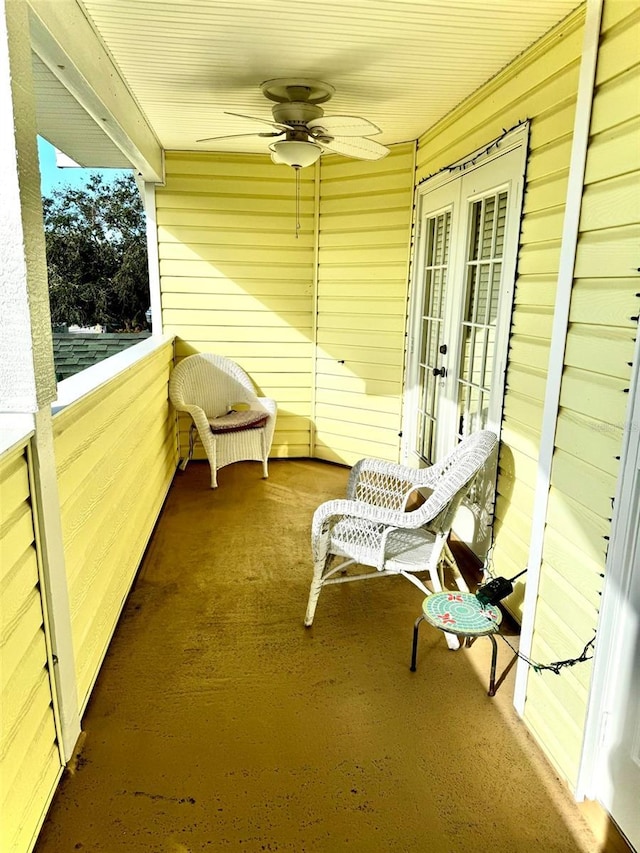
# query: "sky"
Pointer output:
{"type": "Point", "coordinates": [52, 177]}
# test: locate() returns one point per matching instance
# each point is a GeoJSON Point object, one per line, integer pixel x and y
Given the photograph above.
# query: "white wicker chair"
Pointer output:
{"type": "Point", "coordinates": [375, 527]}
{"type": "Point", "coordinates": [207, 386]}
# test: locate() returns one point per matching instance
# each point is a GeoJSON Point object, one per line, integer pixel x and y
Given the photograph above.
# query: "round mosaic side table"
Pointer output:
{"type": "Point", "coordinates": [460, 613]}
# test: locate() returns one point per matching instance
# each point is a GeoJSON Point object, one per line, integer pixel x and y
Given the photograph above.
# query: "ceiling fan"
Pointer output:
{"type": "Point", "coordinates": [306, 132]}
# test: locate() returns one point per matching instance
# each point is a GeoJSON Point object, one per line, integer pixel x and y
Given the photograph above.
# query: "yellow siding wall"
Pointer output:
{"type": "Point", "coordinates": [364, 240]}
{"type": "Point", "coordinates": [236, 281]}
{"type": "Point", "coordinates": [30, 763]}
{"type": "Point", "coordinates": [541, 86]}
{"type": "Point", "coordinates": [116, 456]}
{"type": "Point", "coordinates": [593, 401]}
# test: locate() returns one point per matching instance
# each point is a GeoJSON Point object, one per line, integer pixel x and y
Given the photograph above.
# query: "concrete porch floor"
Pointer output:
{"type": "Point", "coordinates": [220, 723]}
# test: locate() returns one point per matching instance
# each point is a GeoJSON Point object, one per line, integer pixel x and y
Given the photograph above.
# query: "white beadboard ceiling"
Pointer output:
{"type": "Point", "coordinates": [402, 65]}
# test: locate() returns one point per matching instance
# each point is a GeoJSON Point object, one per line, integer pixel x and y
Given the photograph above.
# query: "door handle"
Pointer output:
{"type": "Point", "coordinates": [440, 371]}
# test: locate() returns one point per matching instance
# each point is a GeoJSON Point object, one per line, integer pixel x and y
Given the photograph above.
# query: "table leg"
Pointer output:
{"type": "Point", "coordinates": [414, 650]}
{"type": "Point", "coordinates": [494, 657]}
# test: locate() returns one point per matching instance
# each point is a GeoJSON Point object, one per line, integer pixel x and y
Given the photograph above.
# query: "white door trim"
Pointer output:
{"type": "Point", "coordinates": [570, 233]}
{"type": "Point", "coordinates": [610, 635]}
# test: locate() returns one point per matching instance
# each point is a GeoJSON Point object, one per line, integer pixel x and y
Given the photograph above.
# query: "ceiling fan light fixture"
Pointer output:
{"type": "Point", "coordinates": [298, 155]}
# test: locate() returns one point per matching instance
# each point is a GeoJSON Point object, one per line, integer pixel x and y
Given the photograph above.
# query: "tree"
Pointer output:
{"type": "Point", "coordinates": [97, 254]}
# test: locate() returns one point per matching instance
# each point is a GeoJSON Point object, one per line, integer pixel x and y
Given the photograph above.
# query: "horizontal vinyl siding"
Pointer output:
{"type": "Point", "coordinates": [116, 456]}
{"type": "Point", "coordinates": [29, 758]}
{"type": "Point", "coordinates": [364, 243]}
{"type": "Point", "coordinates": [593, 402]}
{"type": "Point", "coordinates": [236, 281]}
{"type": "Point", "coordinates": [541, 86]}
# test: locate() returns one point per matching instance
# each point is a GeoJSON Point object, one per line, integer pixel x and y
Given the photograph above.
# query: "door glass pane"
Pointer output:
{"type": "Point", "coordinates": [438, 233]}
{"type": "Point", "coordinates": [487, 218]}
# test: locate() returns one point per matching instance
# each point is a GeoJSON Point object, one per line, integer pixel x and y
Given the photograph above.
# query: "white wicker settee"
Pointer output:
{"type": "Point", "coordinates": [231, 421]}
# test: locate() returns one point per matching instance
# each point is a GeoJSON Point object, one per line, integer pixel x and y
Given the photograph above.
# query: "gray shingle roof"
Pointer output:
{"type": "Point", "coordinates": [75, 351]}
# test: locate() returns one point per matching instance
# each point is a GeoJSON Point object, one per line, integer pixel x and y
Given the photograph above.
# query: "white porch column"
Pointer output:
{"type": "Point", "coordinates": [27, 375]}
{"type": "Point", "coordinates": [155, 296]}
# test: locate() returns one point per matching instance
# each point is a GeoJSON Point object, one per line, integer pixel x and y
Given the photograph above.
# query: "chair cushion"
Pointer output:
{"type": "Point", "coordinates": [237, 421]}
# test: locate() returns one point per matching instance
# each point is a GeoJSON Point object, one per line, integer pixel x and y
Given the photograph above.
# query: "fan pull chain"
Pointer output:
{"type": "Point", "coordinates": [297, 201]}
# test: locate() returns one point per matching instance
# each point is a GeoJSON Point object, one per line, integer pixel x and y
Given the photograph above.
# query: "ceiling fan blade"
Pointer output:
{"type": "Point", "coordinates": [270, 122]}
{"type": "Point", "coordinates": [361, 148]}
{"type": "Point", "coordinates": [238, 135]}
{"type": "Point", "coordinates": [344, 126]}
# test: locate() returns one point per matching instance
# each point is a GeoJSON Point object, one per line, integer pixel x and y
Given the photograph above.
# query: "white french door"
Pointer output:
{"type": "Point", "coordinates": [461, 302]}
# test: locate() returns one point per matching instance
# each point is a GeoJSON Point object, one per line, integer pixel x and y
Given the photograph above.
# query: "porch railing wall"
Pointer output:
{"type": "Point", "coordinates": [116, 455]}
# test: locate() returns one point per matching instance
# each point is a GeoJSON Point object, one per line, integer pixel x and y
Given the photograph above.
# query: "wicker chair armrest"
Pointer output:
{"type": "Point", "coordinates": [198, 415]}
{"type": "Point", "coordinates": [269, 404]}
{"type": "Point", "coordinates": [399, 481]}
{"type": "Point", "coordinates": [337, 509]}
{"type": "Point", "coordinates": [359, 509]}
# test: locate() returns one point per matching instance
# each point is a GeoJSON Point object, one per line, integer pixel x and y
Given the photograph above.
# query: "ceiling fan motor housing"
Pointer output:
{"type": "Point", "coordinates": [289, 89]}
{"type": "Point", "coordinates": [296, 112]}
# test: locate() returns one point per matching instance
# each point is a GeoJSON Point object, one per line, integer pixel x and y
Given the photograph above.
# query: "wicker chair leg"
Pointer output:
{"type": "Point", "coordinates": [265, 456]}
{"type": "Point", "coordinates": [192, 441]}
{"type": "Point", "coordinates": [212, 455]}
{"type": "Point", "coordinates": [314, 595]}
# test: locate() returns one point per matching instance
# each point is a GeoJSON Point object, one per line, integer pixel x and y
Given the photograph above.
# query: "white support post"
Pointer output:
{"type": "Point", "coordinates": [153, 258]}
{"type": "Point", "coordinates": [25, 342]}
{"type": "Point", "coordinates": [45, 483]}
{"type": "Point", "coordinates": [560, 329]}
{"type": "Point", "coordinates": [27, 375]}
